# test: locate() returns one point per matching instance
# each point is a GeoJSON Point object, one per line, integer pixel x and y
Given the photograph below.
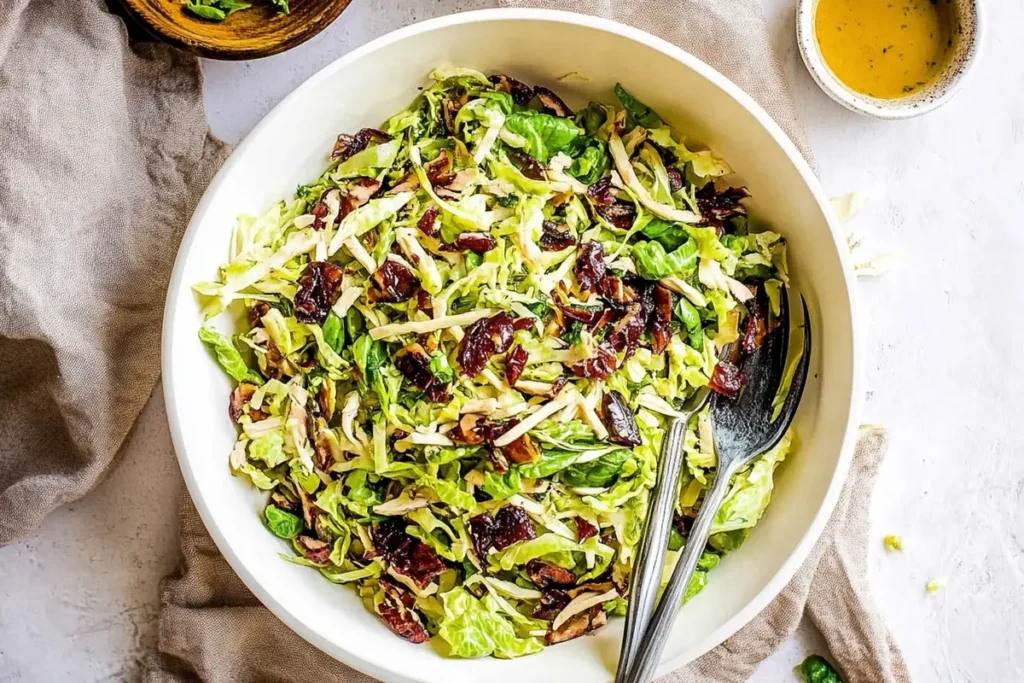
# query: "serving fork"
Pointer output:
{"type": "Point", "coordinates": [743, 428]}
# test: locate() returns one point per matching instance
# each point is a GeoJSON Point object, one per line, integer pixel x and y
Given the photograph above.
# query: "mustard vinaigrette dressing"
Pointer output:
{"type": "Point", "coordinates": [884, 48]}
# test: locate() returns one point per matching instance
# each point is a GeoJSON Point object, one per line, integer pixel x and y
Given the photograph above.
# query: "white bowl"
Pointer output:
{"type": "Point", "coordinates": [290, 146]}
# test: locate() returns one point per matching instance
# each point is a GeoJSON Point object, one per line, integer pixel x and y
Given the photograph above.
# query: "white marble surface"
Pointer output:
{"type": "Point", "coordinates": [944, 369]}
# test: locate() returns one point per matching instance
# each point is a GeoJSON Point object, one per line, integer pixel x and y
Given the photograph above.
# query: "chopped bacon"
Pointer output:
{"type": "Point", "coordinates": [239, 397]}
{"type": "Point", "coordinates": [521, 451]}
{"type": "Point", "coordinates": [357, 194]}
{"type": "Point", "coordinates": [552, 102]}
{"type": "Point", "coordinates": [579, 625]}
{"type": "Point", "coordinates": [314, 550]}
{"type": "Point", "coordinates": [545, 575]}
{"type": "Point", "coordinates": [349, 145]}
{"type": "Point", "coordinates": [521, 93]}
{"type": "Point", "coordinates": [599, 366]}
{"type": "Point", "coordinates": [661, 319]}
{"type": "Point", "coordinates": [757, 326]}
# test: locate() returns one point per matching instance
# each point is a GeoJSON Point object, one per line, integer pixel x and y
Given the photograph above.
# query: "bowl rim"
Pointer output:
{"type": "Point", "coordinates": [145, 16]}
{"type": "Point", "coordinates": [875, 107]}
{"type": "Point", "coordinates": [810, 537]}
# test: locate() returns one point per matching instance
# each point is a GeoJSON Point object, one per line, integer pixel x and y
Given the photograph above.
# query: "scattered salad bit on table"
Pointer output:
{"type": "Point", "coordinates": [893, 543]}
{"type": "Point", "coordinates": [219, 10]}
{"type": "Point", "coordinates": [816, 669]}
{"type": "Point", "coordinates": [935, 585]}
{"type": "Point", "coordinates": [465, 341]}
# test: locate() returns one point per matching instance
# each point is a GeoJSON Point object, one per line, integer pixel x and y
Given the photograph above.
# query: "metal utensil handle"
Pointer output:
{"type": "Point", "coordinates": [647, 569]}
{"type": "Point", "coordinates": [647, 658]}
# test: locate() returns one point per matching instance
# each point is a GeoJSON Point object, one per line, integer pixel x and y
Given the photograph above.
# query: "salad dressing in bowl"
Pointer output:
{"type": "Point", "coordinates": [885, 48]}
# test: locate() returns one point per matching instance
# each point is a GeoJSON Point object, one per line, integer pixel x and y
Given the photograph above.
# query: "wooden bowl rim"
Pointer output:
{"type": "Point", "coordinates": [150, 20]}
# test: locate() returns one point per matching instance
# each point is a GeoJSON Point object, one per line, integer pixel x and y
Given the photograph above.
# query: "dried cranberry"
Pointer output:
{"type": "Point", "coordinates": [520, 324]}
{"type": "Point", "coordinates": [494, 430]}
{"type": "Point", "coordinates": [727, 379]}
{"type": "Point", "coordinates": [476, 242]}
{"type": "Point", "coordinates": [675, 180]}
{"type": "Point", "coordinates": [321, 209]}
{"type": "Point", "coordinates": [414, 363]}
{"type": "Point", "coordinates": [399, 616]}
{"type": "Point", "coordinates": [315, 295]}
{"type": "Point", "coordinates": [512, 525]}
{"type": "Point", "coordinates": [555, 238]}
{"type": "Point", "coordinates": [428, 221]}
{"type": "Point", "coordinates": [483, 339]}
{"type": "Point", "coordinates": [682, 524]}
{"type": "Point", "coordinates": [588, 317]}
{"type": "Point", "coordinates": [515, 363]}
{"type": "Point", "coordinates": [615, 292]}
{"type": "Point", "coordinates": [348, 145]}
{"type": "Point", "coordinates": [661, 319]}
{"type": "Point", "coordinates": [551, 102]}
{"type": "Point", "coordinates": [406, 555]}
{"type": "Point", "coordinates": [544, 574]}
{"type": "Point", "coordinates": [718, 207]}
{"type": "Point", "coordinates": [619, 214]}
{"type": "Point", "coordinates": [521, 93]}
{"type": "Point", "coordinates": [396, 282]}
{"type": "Point", "coordinates": [757, 326]}
{"type": "Point", "coordinates": [602, 192]}
{"type": "Point", "coordinates": [481, 532]}
{"type": "Point", "coordinates": [585, 529]}
{"type": "Point", "coordinates": [256, 313]}
{"type": "Point", "coordinates": [619, 419]}
{"type": "Point", "coordinates": [599, 366]}
{"type": "Point", "coordinates": [557, 386]}
{"type": "Point", "coordinates": [589, 267]}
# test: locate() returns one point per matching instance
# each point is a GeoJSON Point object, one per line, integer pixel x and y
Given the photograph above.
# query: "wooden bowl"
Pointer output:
{"type": "Point", "coordinates": [249, 34]}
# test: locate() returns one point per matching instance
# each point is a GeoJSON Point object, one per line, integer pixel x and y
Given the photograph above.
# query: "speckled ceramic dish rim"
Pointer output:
{"type": "Point", "coordinates": [933, 96]}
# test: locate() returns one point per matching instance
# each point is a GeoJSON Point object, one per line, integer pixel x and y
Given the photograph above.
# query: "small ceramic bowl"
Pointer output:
{"type": "Point", "coordinates": [256, 32]}
{"type": "Point", "coordinates": [966, 43]}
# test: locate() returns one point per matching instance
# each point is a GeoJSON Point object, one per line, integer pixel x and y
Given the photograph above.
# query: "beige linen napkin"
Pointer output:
{"type": "Point", "coordinates": [213, 629]}
{"type": "Point", "coordinates": [105, 150]}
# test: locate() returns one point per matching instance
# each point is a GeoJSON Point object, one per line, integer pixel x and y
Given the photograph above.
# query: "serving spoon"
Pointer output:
{"type": "Point", "coordinates": [744, 428]}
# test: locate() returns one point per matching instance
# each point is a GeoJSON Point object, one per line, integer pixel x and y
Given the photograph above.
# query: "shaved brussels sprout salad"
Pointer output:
{"type": "Point", "coordinates": [465, 341]}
